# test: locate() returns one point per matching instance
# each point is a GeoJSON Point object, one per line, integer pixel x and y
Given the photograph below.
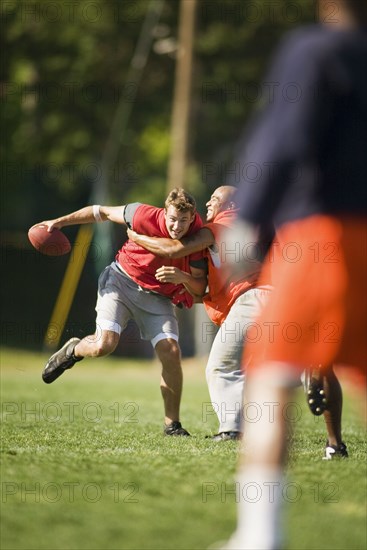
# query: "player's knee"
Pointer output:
{"type": "Point", "coordinates": [168, 350]}
{"type": "Point", "coordinates": [106, 344]}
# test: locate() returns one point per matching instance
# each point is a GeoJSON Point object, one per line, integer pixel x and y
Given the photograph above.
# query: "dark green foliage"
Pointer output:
{"type": "Point", "coordinates": [67, 68]}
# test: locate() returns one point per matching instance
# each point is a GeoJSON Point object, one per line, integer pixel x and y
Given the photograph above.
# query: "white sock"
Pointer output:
{"type": "Point", "coordinates": [259, 509]}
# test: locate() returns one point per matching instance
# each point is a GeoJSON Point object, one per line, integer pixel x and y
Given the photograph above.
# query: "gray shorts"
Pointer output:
{"type": "Point", "coordinates": [121, 299]}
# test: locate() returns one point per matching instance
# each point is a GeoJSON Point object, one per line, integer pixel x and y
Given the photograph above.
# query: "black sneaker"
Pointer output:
{"type": "Point", "coordinates": [60, 361]}
{"type": "Point", "coordinates": [335, 451]}
{"type": "Point", "coordinates": [175, 428]}
{"type": "Point", "coordinates": [314, 389]}
{"type": "Point", "coordinates": [226, 436]}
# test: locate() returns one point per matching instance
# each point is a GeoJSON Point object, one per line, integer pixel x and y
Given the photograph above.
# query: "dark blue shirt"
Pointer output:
{"type": "Point", "coordinates": [309, 144]}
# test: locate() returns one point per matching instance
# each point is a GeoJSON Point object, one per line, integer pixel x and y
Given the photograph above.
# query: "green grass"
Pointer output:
{"type": "Point", "coordinates": [85, 466]}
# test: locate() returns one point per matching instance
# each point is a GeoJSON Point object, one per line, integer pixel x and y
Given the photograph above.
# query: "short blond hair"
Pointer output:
{"type": "Point", "coordinates": [181, 200]}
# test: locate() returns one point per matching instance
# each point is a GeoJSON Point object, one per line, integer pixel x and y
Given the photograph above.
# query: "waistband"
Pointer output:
{"type": "Point", "coordinates": [117, 267]}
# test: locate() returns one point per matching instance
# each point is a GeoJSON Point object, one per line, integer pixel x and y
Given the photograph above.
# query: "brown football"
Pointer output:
{"type": "Point", "coordinates": [53, 243]}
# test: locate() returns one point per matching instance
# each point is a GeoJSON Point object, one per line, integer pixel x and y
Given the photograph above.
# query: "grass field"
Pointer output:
{"type": "Point", "coordinates": [85, 465]}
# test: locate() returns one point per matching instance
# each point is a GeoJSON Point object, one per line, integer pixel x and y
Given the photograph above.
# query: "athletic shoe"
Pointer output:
{"type": "Point", "coordinates": [60, 361]}
{"type": "Point", "coordinates": [175, 428]}
{"type": "Point", "coordinates": [226, 436]}
{"type": "Point", "coordinates": [314, 389]}
{"type": "Point", "coordinates": [335, 451]}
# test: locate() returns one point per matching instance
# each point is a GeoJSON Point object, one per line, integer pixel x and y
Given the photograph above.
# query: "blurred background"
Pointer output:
{"type": "Point", "coordinates": [110, 102]}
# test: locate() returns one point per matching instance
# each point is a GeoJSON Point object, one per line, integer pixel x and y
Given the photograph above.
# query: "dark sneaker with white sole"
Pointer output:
{"type": "Point", "coordinates": [175, 428]}
{"type": "Point", "coordinates": [335, 451]}
{"type": "Point", "coordinates": [60, 361]}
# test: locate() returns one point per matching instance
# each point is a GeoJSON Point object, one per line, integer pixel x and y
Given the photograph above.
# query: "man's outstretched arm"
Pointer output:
{"type": "Point", "coordinates": [88, 214]}
{"type": "Point", "coordinates": [174, 248]}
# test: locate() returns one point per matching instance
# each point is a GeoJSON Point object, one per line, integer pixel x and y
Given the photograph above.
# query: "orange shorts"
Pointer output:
{"type": "Point", "coordinates": [317, 312]}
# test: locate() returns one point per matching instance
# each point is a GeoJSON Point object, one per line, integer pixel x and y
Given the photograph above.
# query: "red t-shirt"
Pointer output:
{"type": "Point", "coordinates": [223, 289]}
{"type": "Point", "coordinates": [141, 265]}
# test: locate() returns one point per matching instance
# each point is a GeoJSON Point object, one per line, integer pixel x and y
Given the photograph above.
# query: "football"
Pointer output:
{"type": "Point", "coordinates": [53, 243]}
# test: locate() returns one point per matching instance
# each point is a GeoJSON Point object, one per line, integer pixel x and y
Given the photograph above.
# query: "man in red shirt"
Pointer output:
{"type": "Point", "coordinates": [128, 289]}
{"type": "Point", "coordinates": [231, 304]}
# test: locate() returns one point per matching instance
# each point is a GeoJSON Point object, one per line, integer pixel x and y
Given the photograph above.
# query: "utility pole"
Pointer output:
{"type": "Point", "coordinates": [193, 320]}
{"type": "Point", "coordinates": [182, 95]}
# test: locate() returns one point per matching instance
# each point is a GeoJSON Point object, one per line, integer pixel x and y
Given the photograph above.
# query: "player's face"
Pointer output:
{"type": "Point", "coordinates": [177, 222]}
{"type": "Point", "coordinates": [215, 204]}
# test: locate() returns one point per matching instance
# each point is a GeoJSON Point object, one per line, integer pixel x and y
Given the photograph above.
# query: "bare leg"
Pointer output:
{"type": "Point", "coordinates": [97, 345]}
{"type": "Point", "coordinates": [74, 350]}
{"type": "Point", "coordinates": [264, 441]}
{"type": "Point", "coordinates": [333, 414]}
{"type": "Point", "coordinates": [169, 354]}
{"type": "Point", "coordinates": [263, 454]}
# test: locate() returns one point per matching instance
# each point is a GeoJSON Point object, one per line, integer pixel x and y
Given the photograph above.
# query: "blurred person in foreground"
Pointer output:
{"type": "Point", "coordinates": [128, 289]}
{"type": "Point", "coordinates": [316, 195]}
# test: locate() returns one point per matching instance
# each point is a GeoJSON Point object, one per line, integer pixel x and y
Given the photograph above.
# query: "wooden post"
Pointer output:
{"type": "Point", "coordinates": [181, 97]}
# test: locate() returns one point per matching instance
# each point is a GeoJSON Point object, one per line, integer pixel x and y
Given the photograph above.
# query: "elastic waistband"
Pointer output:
{"type": "Point", "coordinates": [117, 267]}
